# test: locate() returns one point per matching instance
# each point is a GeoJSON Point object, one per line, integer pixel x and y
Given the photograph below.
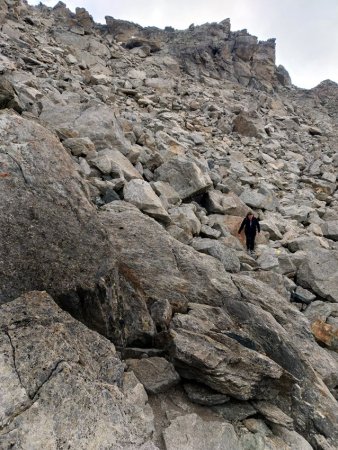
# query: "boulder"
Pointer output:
{"type": "Point", "coordinates": [140, 194]}
{"type": "Point", "coordinates": [220, 203]}
{"type": "Point", "coordinates": [191, 432]}
{"type": "Point", "coordinates": [319, 310]}
{"type": "Point", "coordinates": [111, 160]}
{"type": "Point", "coordinates": [258, 200]}
{"type": "Point", "coordinates": [322, 189]}
{"type": "Point", "coordinates": [6, 64]}
{"type": "Point", "coordinates": [216, 221]}
{"type": "Point", "coordinates": [167, 193]}
{"type": "Point", "coordinates": [319, 273]}
{"type": "Point", "coordinates": [210, 232]}
{"type": "Point", "coordinates": [300, 353]}
{"type": "Point", "coordinates": [53, 366]}
{"type": "Point", "coordinates": [273, 414]}
{"type": "Point", "coordinates": [286, 265]}
{"type": "Point", "coordinates": [274, 437]}
{"type": "Point", "coordinates": [330, 229]}
{"type": "Point", "coordinates": [303, 295]}
{"type": "Point", "coordinates": [184, 217]}
{"type": "Point", "coordinates": [84, 19]}
{"type": "Point", "coordinates": [325, 333]}
{"type": "Point", "coordinates": [295, 331]}
{"type": "Point", "coordinates": [218, 250]}
{"type": "Point", "coordinates": [235, 411]}
{"type": "Point", "coordinates": [4, 11]}
{"type": "Point", "coordinates": [8, 96]}
{"type": "Point", "coordinates": [223, 364]}
{"type": "Point", "coordinates": [80, 146]}
{"type": "Point", "coordinates": [315, 131]}
{"type": "Point", "coordinates": [161, 313]}
{"type": "Point", "coordinates": [155, 373]}
{"type": "Point", "coordinates": [291, 438]}
{"type": "Point", "coordinates": [330, 177]}
{"type": "Point", "coordinates": [61, 226]}
{"type": "Point", "coordinates": [185, 176]}
{"type": "Point", "coordinates": [273, 279]}
{"type": "Point", "coordinates": [306, 243]}
{"type": "Point", "coordinates": [42, 193]}
{"type": "Point", "coordinates": [158, 266]}
{"type": "Point", "coordinates": [283, 76]}
{"type": "Point", "coordinates": [271, 228]}
{"type": "Point", "coordinates": [160, 84]}
{"type": "Point", "coordinates": [98, 123]}
{"type": "Point", "coordinates": [300, 213]}
{"type": "Point", "coordinates": [179, 234]}
{"type": "Point", "coordinates": [268, 260]}
{"type": "Point", "coordinates": [202, 395]}
{"type": "Point", "coordinates": [247, 125]}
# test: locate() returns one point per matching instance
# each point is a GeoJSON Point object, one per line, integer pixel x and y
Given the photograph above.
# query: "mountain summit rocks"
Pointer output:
{"type": "Point", "coordinates": [128, 159]}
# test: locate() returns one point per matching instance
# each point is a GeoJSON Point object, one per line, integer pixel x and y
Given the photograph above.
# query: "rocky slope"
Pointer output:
{"type": "Point", "coordinates": [128, 158]}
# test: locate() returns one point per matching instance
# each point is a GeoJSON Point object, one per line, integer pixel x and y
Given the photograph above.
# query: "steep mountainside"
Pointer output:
{"type": "Point", "coordinates": [131, 314]}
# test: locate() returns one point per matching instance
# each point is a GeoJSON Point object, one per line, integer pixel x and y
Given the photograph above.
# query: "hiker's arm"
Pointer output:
{"type": "Point", "coordinates": [242, 226]}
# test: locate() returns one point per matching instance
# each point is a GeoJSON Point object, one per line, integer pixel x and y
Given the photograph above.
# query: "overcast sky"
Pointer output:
{"type": "Point", "coordinates": [306, 30]}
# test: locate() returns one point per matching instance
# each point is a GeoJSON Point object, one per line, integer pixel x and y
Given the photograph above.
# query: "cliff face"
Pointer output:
{"type": "Point", "coordinates": [210, 50]}
{"type": "Point", "coordinates": [128, 159]}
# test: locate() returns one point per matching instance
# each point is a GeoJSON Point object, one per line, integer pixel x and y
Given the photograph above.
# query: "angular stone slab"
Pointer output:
{"type": "Point", "coordinates": [190, 432]}
{"type": "Point", "coordinates": [319, 272]}
{"type": "Point", "coordinates": [140, 194]}
{"type": "Point", "coordinates": [185, 176]}
{"type": "Point", "coordinates": [155, 373]}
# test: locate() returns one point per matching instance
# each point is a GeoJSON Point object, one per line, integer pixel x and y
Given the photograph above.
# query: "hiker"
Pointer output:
{"type": "Point", "coordinates": [250, 225]}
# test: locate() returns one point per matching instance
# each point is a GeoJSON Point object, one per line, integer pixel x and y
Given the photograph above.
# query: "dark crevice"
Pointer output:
{"type": "Point", "coordinates": [14, 358]}
{"type": "Point", "coordinates": [54, 370]}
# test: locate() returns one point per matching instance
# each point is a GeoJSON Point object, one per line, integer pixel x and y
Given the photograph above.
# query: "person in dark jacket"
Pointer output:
{"type": "Point", "coordinates": [251, 226]}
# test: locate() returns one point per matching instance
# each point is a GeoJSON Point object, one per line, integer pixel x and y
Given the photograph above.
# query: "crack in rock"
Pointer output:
{"type": "Point", "coordinates": [14, 358]}
{"type": "Point", "coordinates": [56, 369]}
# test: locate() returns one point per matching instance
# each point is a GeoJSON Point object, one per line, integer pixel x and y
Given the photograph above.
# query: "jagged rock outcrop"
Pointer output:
{"type": "Point", "coordinates": [128, 158]}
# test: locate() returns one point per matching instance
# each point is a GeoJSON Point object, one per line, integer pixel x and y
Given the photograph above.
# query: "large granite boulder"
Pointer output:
{"type": "Point", "coordinates": [220, 251]}
{"type": "Point", "coordinates": [225, 365]}
{"type": "Point", "coordinates": [185, 176]}
{"type": "Point", "coordinates": [319, 272]}
{"type": "Point", "coordinates": [42, 194]}
{"type": "Point", "coordinates": [259, 199]}
{"type": "Point", "coordinates": [220, 203]}
{"type": "Point", "coordinates": [110, 160]}
{"type": "Point", "coordinates": [141, 194]}
{"type": "Point", "coordinates": [63, 385]}
{"type": "Point", "coordinates": [330, 229]}
{"type": "Point", "coordinates": [97, 122]}
{"type": "Point", "coordinates": [56, 251]}
{"type": "Point", "coordinates": [159, 266]}
{"type": "Point", "coordinates": [184, 217]}
{"type": "Point", "coordinates": [215, 328]}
